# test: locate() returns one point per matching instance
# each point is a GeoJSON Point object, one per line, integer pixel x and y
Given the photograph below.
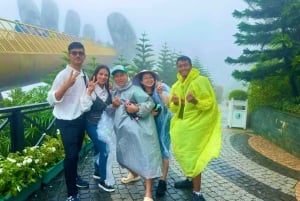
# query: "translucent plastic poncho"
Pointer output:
{"type": "Point", "coordinates": [136, 140]}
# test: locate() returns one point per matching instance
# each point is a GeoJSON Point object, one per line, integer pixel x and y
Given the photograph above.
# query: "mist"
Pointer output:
{"type": "Point", "coordinates": [202, 29]}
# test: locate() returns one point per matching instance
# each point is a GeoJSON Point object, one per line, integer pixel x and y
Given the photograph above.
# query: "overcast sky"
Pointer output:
{"type": "Point", "coordinates": [201, 28]}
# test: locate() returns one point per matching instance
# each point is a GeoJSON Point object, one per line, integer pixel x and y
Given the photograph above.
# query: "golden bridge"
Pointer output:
{"type": "Point", "coordinates": [28, 52]}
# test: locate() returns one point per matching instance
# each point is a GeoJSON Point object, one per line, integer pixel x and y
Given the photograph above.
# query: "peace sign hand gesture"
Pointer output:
{"type": "Point", "coordinates": [71, 79]}
{"type": "Point", "coordinates": [91, 86]}
{"type": "Point", "coordinates": [159, 88]}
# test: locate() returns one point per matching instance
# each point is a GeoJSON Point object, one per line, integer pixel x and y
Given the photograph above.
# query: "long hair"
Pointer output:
{"type": "Point", "coordinates": [98, 68]}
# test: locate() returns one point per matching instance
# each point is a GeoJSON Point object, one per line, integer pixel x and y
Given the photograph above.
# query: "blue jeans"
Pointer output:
{"type": "Point", "coordinates": [100, 150]}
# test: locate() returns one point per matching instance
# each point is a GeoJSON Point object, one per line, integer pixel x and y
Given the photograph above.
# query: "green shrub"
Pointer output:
{"type": "Point", "coordinates": [238, 95]}
{"type": "Point", "coordinates": [32, 132]}
{"type": "Point", "coordinates": [273, 92]}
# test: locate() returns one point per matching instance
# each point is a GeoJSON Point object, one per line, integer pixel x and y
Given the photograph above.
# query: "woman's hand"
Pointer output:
{"type": "Point", "coordinates": [154, 113]}
{"type": "Point", "coordinates": [116, 102]}
{"type": "Point", "coordinates": [159, 87]}
{"type": "Point", "coordinates": [91, 86]}
{"type": "Point", "coordinates": [131, 108]}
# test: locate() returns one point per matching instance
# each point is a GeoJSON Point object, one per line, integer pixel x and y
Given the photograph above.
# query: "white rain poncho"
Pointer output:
{"type": "Point", "coordinates": [136, 140]}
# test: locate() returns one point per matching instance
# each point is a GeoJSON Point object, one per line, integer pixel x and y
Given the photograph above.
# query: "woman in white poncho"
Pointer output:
{"type": "Point", "coordinates": [137, 142]}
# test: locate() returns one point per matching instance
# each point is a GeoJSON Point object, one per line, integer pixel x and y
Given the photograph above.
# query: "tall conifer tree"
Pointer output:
{"type": "Point", "coordinates": [144, 56]}
{"type": "Point", "coordinates": [166, 66]}
{"type": "Point", "coordinates": [271, 33]}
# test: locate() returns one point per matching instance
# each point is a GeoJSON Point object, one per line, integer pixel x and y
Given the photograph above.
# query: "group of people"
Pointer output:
{"type": "Point", "coordinates": [147, 118]}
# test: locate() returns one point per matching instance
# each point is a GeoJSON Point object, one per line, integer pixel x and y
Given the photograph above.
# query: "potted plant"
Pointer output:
{"type": "Point", "coordinates": [21, 173]}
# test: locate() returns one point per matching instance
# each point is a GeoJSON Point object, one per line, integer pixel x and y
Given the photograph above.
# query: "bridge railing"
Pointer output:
{"type": "Point", "coordinates": [14, 118]}
{"type": "Point", "coordinates": [17, 37]}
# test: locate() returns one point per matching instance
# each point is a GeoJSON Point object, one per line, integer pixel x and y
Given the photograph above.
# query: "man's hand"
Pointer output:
{"type": "Point", "coordinates": [71, 79]}
{"type": "Point", "coordinates": [67, 84]}
{"type": "Point", "coordinates": [175, 99]}
{"type": "Point", "coordinates": [191, 98]}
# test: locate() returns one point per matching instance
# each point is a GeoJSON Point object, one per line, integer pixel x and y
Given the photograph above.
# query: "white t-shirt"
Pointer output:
{"type": "Point", "coordinates": [69, 107]}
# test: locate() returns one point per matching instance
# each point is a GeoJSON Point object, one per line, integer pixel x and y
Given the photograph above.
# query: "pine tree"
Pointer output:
{"type": "Point", "coordinates": [144, 56]}
{"type": "Point", "coordinates": [270, 30]}
{"type": "Point", "coordinates": [166, 67]}
{"type": "Point", "coordinates": [203, 71]}
{"type": "Point", "coordinates": [121, 60]}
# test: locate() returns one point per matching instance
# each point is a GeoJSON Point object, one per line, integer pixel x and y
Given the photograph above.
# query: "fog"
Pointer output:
{"type": "Point", "coordinates": [197, 28]}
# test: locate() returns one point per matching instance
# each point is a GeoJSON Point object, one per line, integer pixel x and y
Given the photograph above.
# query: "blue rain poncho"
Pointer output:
{"type": "Point", "coordinates": [195, 129]}
{"type": "Point", "coordinates": [162, 120]}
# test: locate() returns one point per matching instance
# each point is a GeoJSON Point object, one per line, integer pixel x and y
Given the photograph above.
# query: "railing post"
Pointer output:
{"type": "Point", "coordinates": [17, 131]}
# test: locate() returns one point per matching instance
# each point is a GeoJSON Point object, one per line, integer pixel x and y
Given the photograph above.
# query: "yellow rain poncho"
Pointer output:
{"type": "Point", "coordinates": [195, 129]}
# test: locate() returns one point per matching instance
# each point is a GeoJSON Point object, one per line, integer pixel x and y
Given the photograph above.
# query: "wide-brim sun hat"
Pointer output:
{"type": "Point", "coordinates": [140, 74]}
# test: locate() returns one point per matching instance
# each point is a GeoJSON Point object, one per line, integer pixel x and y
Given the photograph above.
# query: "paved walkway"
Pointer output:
{"type": "Point", "coordinates": [249, 169]}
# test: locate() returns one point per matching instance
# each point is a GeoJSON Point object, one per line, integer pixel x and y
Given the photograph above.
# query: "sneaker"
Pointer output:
{"type": "Point", "coordinates": [130, 178]}
{"type": "Point", "coordinates": [96, 176]}
{"type": "Point", "coordinates": [80, 183]}
{"type": "Point", "coordinates": [184, 184]}
{"type": "Point", "coordinates": [106, 187]}
{"type": "Point", "coordinates": [73, 198]}
{"type": "Point", "coordinates": [196, 197]}
{"type": "Point", "coordinates": [161, 188]}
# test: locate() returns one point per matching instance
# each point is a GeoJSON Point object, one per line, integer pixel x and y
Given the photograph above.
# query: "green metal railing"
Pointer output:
{"type": "Point", "coordinates": [15, 117]}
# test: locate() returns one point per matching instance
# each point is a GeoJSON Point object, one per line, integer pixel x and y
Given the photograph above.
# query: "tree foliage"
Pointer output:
{"type": "Point", "coordinates": [270, 32]}
{"type": "Point", "coordinates": [144, 56]}
{"type": "Point", "coordinates": [121, 60]}
{"type": "Point", "coordinates": [238, 94]}
{"type": "Point", "coordinates": [203, 71]}
{"type": "Point", "coordinates": [166, 65]}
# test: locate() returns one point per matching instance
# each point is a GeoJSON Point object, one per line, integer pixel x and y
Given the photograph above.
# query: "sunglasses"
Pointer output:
{"type": "Point", "coordinates": [75, 53]}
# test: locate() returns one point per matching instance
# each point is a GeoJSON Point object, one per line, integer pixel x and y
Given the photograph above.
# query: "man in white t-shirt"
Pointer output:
{"type": "Point", "coordinates": [67, 89]}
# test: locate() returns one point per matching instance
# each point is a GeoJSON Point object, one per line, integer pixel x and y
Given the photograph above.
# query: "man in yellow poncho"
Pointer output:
{"type": "Point", "coordinates": [195, 126]}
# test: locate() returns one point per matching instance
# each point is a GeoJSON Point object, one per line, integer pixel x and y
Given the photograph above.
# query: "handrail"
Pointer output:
{"type": "Point", "coordinates": [15, 117]}
{"type": "Point", "coordinates": [17, 37]}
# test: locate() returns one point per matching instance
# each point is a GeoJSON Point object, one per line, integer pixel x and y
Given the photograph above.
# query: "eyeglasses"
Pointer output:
{"type": "Point", "coordinates": [75, 53]}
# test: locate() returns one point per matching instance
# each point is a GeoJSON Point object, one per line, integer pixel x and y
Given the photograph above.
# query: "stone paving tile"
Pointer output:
{"type": "Point", "coordinates": [235, 176]}
{"type": "Point", "coordinates": [239, 174]}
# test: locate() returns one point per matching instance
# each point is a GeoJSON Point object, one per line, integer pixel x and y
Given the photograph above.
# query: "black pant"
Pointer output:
{"type": "Point", "coordinates": [72, 134]}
